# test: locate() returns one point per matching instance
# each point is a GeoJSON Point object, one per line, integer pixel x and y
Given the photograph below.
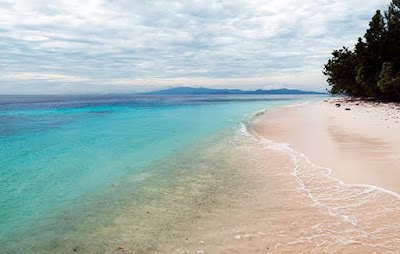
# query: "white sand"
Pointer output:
{"type": "Point", "coordinates": [361, 145]}
{"type": "Point", "coordinates": [284, 203]}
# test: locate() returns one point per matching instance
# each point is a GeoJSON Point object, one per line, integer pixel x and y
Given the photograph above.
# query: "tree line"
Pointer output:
{"type": "Point", "coordinates": [372, 69]}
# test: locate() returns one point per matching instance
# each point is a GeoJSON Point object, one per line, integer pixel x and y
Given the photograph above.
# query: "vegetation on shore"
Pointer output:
{"type": "Point", "coordinates": [372, 69]}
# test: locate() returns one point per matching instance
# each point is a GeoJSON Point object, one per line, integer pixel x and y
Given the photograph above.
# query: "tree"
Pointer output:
{"type": "Point", "coordinates": [376, 28]}
{"type": "Point", "coordinates": [370, 63]}
{"type": "Point", "coordinates": [372, 69]}
{"type": "Point", "coordinates": [341, 72]}
{"type": "Point", "coordinates": [393, 12]}
{"type": "Point", "coordinates": [389, 81]}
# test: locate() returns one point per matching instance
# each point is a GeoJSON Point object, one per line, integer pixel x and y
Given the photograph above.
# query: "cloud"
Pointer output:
{"type": "Point", "coordinates": [48, 77]}
{"type": "Point", "coordinates": [100, 45]}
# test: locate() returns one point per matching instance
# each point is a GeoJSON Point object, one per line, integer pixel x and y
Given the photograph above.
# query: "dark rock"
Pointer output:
{"type": "Point", "coordinates": [347, 109]}
{"type": "Point", "coordinates": [337, 105]}
{"type": "Point", "coordinates": [75, 249]}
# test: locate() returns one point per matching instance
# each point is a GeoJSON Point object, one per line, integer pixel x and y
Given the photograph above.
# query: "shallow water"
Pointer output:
{"type": "Point", "coordinates": [176, 175]}
{"type": "Point", "coordinates": [87, 173]}
{"type": "Point", "coordinates": [340, 217]}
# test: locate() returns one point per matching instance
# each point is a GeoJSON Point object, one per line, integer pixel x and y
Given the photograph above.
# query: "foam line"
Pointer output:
{"type": "Point", "coordinates": [377, 188]}
{"type": "Point", "coordinates": [286, 147]}
{"type": "Point", "coordinates": [333, 211]}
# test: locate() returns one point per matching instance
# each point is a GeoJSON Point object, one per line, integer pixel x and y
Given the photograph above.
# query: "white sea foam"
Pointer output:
{"type": "Point", "coordinates": [286, 148]}
{"type": "Point", "coordinates": [335, 198]}
{"type": "Point", "coordinates": [258, 113]}
{"type": "Point", "coordinates": [371, 188]}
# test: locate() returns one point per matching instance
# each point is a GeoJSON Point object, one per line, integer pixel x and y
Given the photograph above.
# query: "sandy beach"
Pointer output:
{"type": "Point", "coordinates": [307, 178]}
{"type": "Point", "coordinates": [345, 162]}
{"type": "Point", "coordinates": [200, 127]}
{"type": "Point", "coordinates": [359, 141]}
{"type": "Point", "coordinates": [320, 179]}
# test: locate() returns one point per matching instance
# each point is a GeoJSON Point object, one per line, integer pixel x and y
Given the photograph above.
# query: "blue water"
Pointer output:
{"type": "Point", "coordinates": [55, 150]}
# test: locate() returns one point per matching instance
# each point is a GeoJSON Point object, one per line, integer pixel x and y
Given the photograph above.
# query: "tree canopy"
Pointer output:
{"type": "Point", "coordinates": [372, 68]}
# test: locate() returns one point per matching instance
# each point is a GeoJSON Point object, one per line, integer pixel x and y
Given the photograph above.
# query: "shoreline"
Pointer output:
{"type": "Point", "coordinates": [359, 147]}
{"type": "Point", "coordinates": [232, 192]}
{"type": "Point", "coordinates": [349, 209]}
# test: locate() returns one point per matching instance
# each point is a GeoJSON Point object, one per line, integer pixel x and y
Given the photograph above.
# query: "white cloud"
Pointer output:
{"type": "Point", "coordinates": [49, 77]}
{"type": "Point", "coordinates": [130, 45]}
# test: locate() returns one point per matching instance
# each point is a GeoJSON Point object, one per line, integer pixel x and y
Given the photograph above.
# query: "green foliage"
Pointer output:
{"type": "Point", "coordinates": [340, 71]}
{"type": "Point", "coordinates": [372, 69]}
{"type": "Point", "coordinates": [389, 81]}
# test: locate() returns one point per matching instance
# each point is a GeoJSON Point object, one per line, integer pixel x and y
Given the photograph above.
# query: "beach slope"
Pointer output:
{"type": "Point", "coordinates": [359, 141]}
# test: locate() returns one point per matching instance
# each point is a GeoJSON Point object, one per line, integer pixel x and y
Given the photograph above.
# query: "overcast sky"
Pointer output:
{"type": "Point", "coordinates": [50, 46]}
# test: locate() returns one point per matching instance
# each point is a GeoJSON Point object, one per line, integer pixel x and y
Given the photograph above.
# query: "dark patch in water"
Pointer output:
{"type": "Point", "coordinates": [100, 112]}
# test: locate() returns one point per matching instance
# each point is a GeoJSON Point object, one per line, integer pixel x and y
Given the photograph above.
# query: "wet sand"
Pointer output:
{"type": "Point", "coordinates": [294, 202]}
{"type": "Point", "coordinates": [249, 192]}
{"type": "Point", "coordinates": [361, 145]}
{"type": "Point", "coordinates": [345, 166]}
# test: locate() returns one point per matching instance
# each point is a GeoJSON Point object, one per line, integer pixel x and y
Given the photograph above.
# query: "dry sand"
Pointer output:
{"type": "Point", "coordinates": [269, 197]}
{"type": "Point", "coordinates": [361, 145]}
{"type": "Point", "coordinates": [296, 202]}
{"type": "Point", "coordinates": [249, 194]}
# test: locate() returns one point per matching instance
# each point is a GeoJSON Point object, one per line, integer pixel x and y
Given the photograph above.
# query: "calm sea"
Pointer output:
{"type": "Point", "coordinates": [61, 156]}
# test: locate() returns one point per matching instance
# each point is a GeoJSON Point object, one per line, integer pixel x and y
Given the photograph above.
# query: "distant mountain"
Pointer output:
{"type": "Point", "coordinates": [202, 90]}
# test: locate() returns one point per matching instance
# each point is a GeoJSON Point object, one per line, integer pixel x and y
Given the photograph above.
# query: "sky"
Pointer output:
{"type": "Point", "coordinates": [106, 46]}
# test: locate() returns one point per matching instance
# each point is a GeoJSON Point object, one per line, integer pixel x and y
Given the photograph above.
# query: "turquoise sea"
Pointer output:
{"type": "Point", "coordinates": [70, 165]}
